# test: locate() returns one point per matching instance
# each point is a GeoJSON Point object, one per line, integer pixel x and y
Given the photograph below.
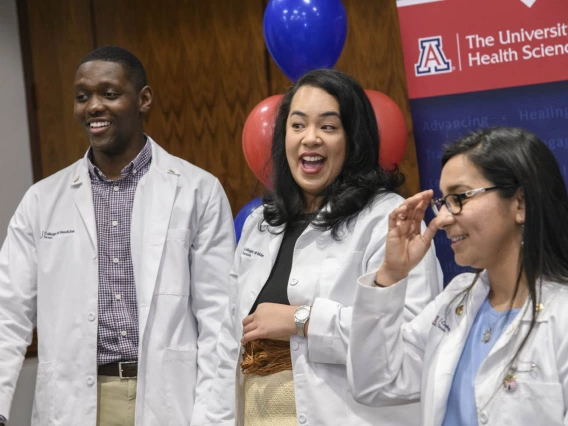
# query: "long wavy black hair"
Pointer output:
{"type": "Point", "coordinates": [516, 159]}
{"type": "Point", "coordinates": [361, 178]}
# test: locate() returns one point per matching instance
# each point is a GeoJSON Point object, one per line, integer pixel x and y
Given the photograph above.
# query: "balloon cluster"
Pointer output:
{"type": "Point", "coordinates": [303, 35]}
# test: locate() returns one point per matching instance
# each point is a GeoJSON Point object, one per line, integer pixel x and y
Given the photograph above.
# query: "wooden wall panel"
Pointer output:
{"type": "Point", "coordinates": [58, 33]}
{"type": "Point", "coordinates": [205, 61]}
{"type": "Point", "coordinates": [373, 55]}
{"type": "Point", "coordinates": [59, 36]}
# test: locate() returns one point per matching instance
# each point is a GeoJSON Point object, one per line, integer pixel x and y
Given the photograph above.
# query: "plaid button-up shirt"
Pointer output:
{"type": "Point", "coordinates": [118, 312]}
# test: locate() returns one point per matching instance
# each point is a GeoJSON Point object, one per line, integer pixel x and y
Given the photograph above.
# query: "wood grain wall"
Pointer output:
{"type": "Point", "coordinates": [208, 65]}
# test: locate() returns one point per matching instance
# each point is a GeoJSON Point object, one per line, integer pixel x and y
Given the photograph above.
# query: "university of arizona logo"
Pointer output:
{"type": "Point", "coordinates": [432, 59]}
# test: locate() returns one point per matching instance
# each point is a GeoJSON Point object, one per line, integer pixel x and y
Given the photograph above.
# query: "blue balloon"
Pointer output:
{"type": "Point", "coordinates": [242, 215]}
{"type": "Point", "coordinates": [304, 35]}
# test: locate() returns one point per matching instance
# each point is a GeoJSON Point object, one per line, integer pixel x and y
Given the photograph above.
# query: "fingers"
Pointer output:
{"type": "Point", "coordinates": [409, 215]}
{"type": "Point", "coordinates": [418, 215]}
{"type": "Point", "coordinates": [249, 327]}
{"type": "Point", "coordinates": [424, 196]}
{"type": "Point", "coordinates": [397, 216]}
{"type": "Point", "coordinates": [250, 336]}
{"type": "Point", "coordinates": [430, 231]}
{"type": "Point", "coordinates": [248, 319]}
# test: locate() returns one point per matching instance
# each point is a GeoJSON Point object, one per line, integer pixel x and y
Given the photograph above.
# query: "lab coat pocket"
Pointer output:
{"type": "Point", "coordinates": [42, 413]}
{"type": "Point", "coordinates": [181, 236]}
{"type": "Point", "coordinates": [179, 384]}
{"type": "Point", "coordinates": [532, 403]}
{"type": "Point", "coordinates": [174, 275]}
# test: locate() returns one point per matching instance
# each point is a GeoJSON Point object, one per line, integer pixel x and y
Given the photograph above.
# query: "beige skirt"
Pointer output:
{"type": "Point", "coordinates": [269, 400]}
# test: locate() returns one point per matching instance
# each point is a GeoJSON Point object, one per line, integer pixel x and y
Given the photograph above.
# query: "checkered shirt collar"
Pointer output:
{"type": "Point", "coordinates": [143, 157]}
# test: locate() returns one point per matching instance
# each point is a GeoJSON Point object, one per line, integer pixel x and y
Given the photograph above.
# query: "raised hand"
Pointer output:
{"type": "Point", "coordinates": [406, 246]}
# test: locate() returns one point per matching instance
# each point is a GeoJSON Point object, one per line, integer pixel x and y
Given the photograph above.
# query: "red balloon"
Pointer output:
{"type": "Point", "coordinates": [393, 133]}
{"type": "Point", "coordinates": [257, 138]}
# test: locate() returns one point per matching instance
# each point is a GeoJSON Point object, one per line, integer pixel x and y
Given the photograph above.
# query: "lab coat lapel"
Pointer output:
{"type": "Point", "coordinates": [262, 271]}
{"type": "Point", "coordinates": [512, 329]}
{"type": "Point", "coordinates": [153, 203]}
{"type": "Point", "coordinates": [502, 352]}
{"type": "Point", "coordinates": [274, 246]}
{"type": "Point", "coordinates": [83, 199]}
{"type": "Point", "coordinates": [452, 345]}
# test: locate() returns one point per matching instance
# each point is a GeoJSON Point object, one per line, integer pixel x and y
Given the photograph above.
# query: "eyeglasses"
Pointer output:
{"type": "Point", "coordinates": [453, 202]}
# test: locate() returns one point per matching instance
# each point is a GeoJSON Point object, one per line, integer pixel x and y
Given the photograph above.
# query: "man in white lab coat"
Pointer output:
{"type": "Point", "coordinates": [121, 260]}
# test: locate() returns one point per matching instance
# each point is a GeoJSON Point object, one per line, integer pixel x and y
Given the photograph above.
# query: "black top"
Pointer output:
{"type": "Point", "coordinates": [276, 288]}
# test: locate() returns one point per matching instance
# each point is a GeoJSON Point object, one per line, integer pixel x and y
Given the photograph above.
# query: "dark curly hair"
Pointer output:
{"type": "Point", "coordinates": [361, 178]}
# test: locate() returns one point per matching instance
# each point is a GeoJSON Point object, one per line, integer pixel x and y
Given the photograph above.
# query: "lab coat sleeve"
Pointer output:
{"type": "Point", "coordinates": [330, 322]}
{"type": "Point", "coordinates": [223, 392]}
{"type": "Point", "coordinates": [210, 261]}
{"type": "Point", "coordinates": [223, 409]}
{"type": "Point", "coordinates": [562, 356]}
{"type": "Point", "coordinates": [386, 355]}
{"type": "Point", "coordinates": [18, 294]}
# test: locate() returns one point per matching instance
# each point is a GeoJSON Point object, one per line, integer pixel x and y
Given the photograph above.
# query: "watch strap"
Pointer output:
{"type": "Point", "coordinates": [301, 324]}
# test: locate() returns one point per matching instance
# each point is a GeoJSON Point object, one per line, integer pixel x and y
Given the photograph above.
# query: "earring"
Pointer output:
{"type": "Point", "coordinates": [523, 235]}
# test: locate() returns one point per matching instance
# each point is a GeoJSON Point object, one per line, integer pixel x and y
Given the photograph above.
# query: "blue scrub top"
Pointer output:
{"type": "Point", "coordinates": [460, 408]}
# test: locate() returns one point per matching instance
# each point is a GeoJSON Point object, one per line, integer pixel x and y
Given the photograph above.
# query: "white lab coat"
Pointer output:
{"type": "Point", "coordinates": [394, 364]}
{"type": "Point", "coordinates": [182, 240]}
{"type": "Point", "coordinates": [324, 275]}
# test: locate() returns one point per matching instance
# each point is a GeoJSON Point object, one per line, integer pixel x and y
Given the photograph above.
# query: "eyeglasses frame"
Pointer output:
{"type": "Point", "coordinates": [460, 197]}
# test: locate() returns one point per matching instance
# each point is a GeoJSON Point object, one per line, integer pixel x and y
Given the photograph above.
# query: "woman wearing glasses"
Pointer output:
{"type": "Point", "coordinates": [493, 347]}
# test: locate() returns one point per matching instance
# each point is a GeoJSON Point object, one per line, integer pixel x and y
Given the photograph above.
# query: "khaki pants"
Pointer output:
{"type": "Point", "coordinates": [116, 400]}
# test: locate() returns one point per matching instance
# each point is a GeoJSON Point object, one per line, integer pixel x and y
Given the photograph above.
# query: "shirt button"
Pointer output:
{"type": "Point", "coordinates": [117, 297]}
{"type": "Point", "coordinates": [134, 171]}
{"type": "Point", "coordinates": [483, 417]}
{"type": "Point", "coordinates": [91, 317]}
{"type": "Point", "coordinates": [114, 222]}
{"type": "Point", "coordinates": [115, 260]}
{"type": "Point", "coordinates": [90, 381]}
{"type": "Point", "coordinates": [294, 281]}
{"type": "Point", "coordinates": [295, 346]}
{"type": "Point", "coordinates": [115, 188]}
{"type": "Point", "coordinates": [302, 419]}
{"type": "Point", "coordinates": [123, 333]}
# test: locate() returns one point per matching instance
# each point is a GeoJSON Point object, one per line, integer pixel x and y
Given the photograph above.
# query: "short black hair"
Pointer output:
{"type": "Point", "coordinates": [134, 69]}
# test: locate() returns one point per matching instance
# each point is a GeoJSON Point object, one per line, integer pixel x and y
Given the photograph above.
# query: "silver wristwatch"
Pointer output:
{"type": "Point", "coordinates": [301, 317]}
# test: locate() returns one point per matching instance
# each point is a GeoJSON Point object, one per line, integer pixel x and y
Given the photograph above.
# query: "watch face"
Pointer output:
{"type": "Point", "coordinates": [302, 314]}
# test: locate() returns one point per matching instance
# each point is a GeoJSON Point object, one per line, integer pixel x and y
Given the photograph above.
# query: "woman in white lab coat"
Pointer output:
{"type": "Point", "coordinates": [298, 261]}
{"type": "Point", "coordinates": [493, 347]}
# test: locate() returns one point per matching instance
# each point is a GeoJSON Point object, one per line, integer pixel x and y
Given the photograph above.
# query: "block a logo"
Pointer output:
{"type": "Point", "coordinates": [432, 59]}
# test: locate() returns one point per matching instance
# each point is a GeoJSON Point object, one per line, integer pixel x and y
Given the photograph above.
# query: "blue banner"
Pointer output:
{"type": "Point", "coordinates": [542, 109]}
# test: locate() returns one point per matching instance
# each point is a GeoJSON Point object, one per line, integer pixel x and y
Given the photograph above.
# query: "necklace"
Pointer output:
{"type": "Point", "coordinates": [486, 337]}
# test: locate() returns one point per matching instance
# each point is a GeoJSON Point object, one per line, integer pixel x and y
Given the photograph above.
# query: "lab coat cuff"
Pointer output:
{"type": "Point", "coordinates": [5, 403]}
{"type": "Point", "coordinates": [390, 299]}
{"type": "Point", "coordinates": [4, 409]}
{"type": "Point", "coordinates": [324, 343]}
